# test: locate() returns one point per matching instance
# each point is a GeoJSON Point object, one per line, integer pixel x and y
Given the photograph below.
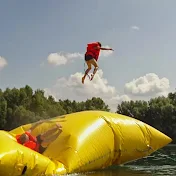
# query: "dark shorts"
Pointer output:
{"type": "Point", "coordinates": [88, 57]}
{"type": "Point", "coordinates": [39, 140]}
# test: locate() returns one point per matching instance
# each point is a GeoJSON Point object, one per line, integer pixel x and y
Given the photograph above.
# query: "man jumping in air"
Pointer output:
{"type": "Point", "coordinates": [91, 57]}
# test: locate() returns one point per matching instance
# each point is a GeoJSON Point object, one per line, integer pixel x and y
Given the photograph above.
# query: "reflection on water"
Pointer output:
{"type": "Point", "coordinates": [118, 172]}
{"type": "Point", "coordinates": [162, 162]}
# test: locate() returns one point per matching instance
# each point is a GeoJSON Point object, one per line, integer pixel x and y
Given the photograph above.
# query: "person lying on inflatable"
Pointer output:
{"type": "Point", "coordinates": [40, 142]}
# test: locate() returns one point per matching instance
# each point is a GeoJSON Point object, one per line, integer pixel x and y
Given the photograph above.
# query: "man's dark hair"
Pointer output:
{"type": "Point", "coordinates": [23, 138]}
{"type": "Point", "coordinates": [99, 44]}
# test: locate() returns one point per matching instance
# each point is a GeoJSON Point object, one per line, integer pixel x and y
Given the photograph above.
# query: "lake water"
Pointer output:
{"type": "Point", "coordinates": [161, 162]}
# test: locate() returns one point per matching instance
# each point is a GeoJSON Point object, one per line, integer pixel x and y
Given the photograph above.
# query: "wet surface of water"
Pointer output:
{"type": "Point", "coordinates": [162, 162]}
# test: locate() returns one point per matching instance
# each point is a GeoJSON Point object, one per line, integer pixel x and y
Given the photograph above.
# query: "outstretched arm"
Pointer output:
{"type": "Point", "coordinates": [35, 125]}
{"type": "Point", "coordinates": [98, 47]}
{"type": "Point", "coordinates": [107, 49]}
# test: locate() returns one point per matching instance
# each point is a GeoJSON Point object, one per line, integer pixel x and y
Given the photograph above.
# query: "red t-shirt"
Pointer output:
{"type": "Point", "coordinates": [93, 52]}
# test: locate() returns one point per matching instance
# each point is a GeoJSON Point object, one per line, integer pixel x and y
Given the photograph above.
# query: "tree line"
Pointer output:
{"type": "Point", "coordinates": [24, 105]}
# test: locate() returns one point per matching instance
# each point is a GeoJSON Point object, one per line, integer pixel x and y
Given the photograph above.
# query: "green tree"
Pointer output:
{"type": "Point", "coordinates": [3, 112]}
{"type": "Point", "coordinates": [96, 104]}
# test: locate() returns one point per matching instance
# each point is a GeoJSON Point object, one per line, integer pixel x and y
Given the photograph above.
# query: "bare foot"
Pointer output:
{"type": "Point", "coordinates": [92, 76]}
{"type": "Point", "coordinates": [58, 126]}
{"type": "Point", "coordinates": [83, 78]}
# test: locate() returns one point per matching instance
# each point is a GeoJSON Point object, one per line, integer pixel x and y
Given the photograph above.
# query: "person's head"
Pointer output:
{"type": "Point", "coordinates": [99, 44]}
{"type": "Point", "coordinates": [24, 138]}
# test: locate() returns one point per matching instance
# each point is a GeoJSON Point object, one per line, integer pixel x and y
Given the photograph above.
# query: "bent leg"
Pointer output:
{"type": "Point", "coordinates": [50, 132]}
{"type": "Point", "coordinates": [49, 140]}
{"type": "Point", "coordinates": [94, 63]}
{"type": "Point", "coordinates": [89, 67]}
{"type": "Point", "coordinates": [87, 71]}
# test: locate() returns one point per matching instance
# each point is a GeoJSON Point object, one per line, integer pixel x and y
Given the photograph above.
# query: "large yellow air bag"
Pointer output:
{"type": "Point", "coordinates": [90, 140]}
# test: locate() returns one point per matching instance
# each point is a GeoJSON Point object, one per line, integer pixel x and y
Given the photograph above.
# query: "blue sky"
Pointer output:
{"type": "Point", "coordinates": [31, 30]}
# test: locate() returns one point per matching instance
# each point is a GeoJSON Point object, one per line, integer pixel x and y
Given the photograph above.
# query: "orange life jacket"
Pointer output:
{"type": "Point", "coordinates": [32, 143]}
{"type": "Point", "coordinates": [93, 52]}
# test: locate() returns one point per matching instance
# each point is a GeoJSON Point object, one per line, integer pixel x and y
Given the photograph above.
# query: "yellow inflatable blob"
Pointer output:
{"type": "Point", "coordinates": [90, 140]}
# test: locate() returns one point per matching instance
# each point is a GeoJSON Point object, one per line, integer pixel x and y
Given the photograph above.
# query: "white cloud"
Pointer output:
{"type": "Point", "coordinates": [73, 89]}
{"type": "Point", "coordinates": [148, 85]}
{"type": "Point", "coordinates": [135, 28]}
{"type": "Point", "coordinates": [106, 53]}
{"type": "Point", "coordinates": [57, 59]}
{"type": "Point", "coordinates": [3, 62]}
{"type": "Point", "coordinates": [74, 55]}
{"type": "Point", "coordinates": [62, 58]}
